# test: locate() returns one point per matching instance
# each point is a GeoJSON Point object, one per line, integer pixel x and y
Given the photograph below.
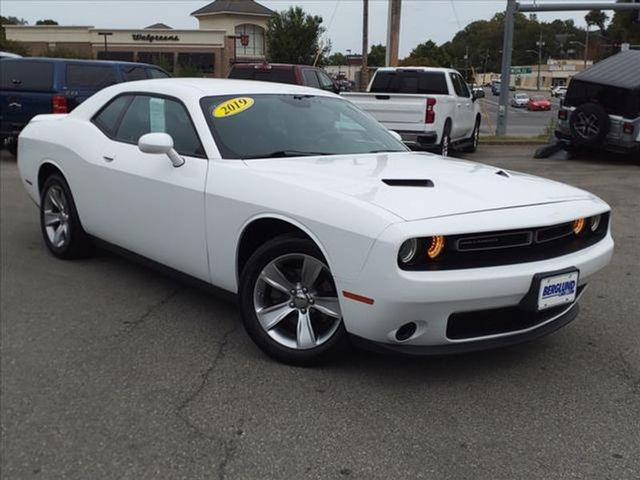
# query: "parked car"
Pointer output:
{"type": "Point", "coordinates": [520, 100]}
{"type": "Point", "coordinates": [31, 86]}
{"type": "Point", "coordinates": [323, 223]}
{"type": "Point", "coordinates": [495, 88]}
{"type": "Point", "coordinates": [9, 55]}
{"type": "Point", "coordinates": [431, 108]}
{"type": "Point", "coordinates": [284, 73]}
{"type": "Point", "coordinates": [559, 91]}
{"type": "Point", "coordinates": [538, 102]}
{"type": "Point", "coordinates": [602, 106]}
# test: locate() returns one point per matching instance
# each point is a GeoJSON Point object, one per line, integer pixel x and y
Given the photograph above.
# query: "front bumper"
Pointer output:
{"type": "Point", "coordinates": [432, 299]}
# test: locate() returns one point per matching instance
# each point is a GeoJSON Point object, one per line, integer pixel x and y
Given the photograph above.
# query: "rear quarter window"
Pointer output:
{"type": "Point", "coordinates": [94, 77]}
{"type": "Point", "coordinates": [26, 75]}
{"type": "Point", "coordinates": [410, 81]}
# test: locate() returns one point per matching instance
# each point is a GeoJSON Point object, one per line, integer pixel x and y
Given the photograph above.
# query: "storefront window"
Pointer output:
{"type": "Point", "coordinates": [196, 64]}
{"type": "Point", "coordinates": [163, 60]}
{"type": "Point", "coordinates": [255, 47]}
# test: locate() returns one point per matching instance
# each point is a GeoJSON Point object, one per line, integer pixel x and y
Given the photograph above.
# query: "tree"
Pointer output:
{"type": "Point", "coordinates": [293, 36]}
{"type": "Point", "coordinates": [427, 54]}
{"type": "Point", "coordinates": [9, 45]}
{"type": "Point", "coordinates": [337, 59]}
{"type": "Point", "coordinates": [48, 21]}
{"type": "Point", "coordinates": [377, 56]}
{"type": "Point", "coordinates": [624, 27]}
{"type": "Point", "coordinates": [596, 17]}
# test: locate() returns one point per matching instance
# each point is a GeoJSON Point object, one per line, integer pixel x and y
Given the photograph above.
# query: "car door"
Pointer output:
{"type": "Point", "coordinates": [464, 120]}
{"type": "Point", "coordinates": [141, 202]}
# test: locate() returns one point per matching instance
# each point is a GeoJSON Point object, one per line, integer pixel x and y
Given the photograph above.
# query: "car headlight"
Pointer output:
{"type": "Point", "coordinates": [414, 249]}
{"type": "Point", "coordinates": [594, 222]}
{"type": "Point", "coordinates": [408, 250]}
{"type": "Point", "coordinates": [578, 226]}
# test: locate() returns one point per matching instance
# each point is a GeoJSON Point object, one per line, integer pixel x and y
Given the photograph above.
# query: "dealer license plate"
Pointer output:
{"type": "Point", "coordinates": [557, 290]}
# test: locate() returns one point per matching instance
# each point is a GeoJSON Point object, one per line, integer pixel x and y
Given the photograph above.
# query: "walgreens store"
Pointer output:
{"type": "Point", "coordinates": [228, 31]}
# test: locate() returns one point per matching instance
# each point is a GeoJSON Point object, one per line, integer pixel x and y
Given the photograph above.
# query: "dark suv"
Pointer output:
{"type": "Point", "coordinates": [284, 73]}
{"type": "Point", "coordinates": [602, 106]}
{"type": "Point", "coordinates": [31, 86]}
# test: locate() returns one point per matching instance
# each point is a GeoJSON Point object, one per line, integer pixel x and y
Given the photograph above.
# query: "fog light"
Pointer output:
{"type": "Point", "coordinates": [408, 250]}
{"type": "Point", "coordinates": [594, 223]}
{"type": "Point", "coordinates": [578, 226]}
{"type": "Point", "coordinates": [436, 247]}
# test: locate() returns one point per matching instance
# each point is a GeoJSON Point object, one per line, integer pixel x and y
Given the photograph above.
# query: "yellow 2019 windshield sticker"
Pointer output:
{"type": "Point", "coordinates": [233, 107]}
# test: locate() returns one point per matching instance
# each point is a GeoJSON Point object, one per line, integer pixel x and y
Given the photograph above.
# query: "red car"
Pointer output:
{"type": "Point", "coordinates": [539, 103]}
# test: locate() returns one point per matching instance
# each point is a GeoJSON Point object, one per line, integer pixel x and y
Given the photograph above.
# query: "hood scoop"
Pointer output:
{"type": "Point", "coordinates": [409, 182]}
{"type": "Point", "coordinates": [502, 173]}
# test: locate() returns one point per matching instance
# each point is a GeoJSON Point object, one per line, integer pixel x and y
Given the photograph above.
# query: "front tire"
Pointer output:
{"type": "Point", "coordinates": [475, 138]}
{"type": "Point", "coordinates": [61, 229]}
{"type": "Point", "coordinates": [445, 142]}
{"type": "Point", "coordinates": [289, 303]}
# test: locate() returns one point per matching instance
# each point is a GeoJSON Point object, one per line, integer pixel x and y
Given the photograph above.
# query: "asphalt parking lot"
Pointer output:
{"type": "Point", "coordinates": [111, 370]}
{"type": "Point", "coordinates": [521, 121]}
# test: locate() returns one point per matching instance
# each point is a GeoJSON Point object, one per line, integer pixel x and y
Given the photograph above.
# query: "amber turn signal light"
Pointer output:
{"type": "Point", "coordinates": [578, 226]}
{"type": "Point", "coordinates": [436, 247]}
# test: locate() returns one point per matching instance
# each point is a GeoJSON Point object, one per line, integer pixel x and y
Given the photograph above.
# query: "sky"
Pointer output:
{"type": "Point", "coordinates": [422, 20]}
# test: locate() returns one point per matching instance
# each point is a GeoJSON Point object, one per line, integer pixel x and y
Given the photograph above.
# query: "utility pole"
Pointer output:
{"type": "Point", "coordinates": [586, 47]}
{"type": "Point", "coordinates": [393, 33]}
{"type": "Point", "coordinates": [466, 63]}
{"type": "Point", "coordinates": [505, 75]}
{"type": "Point", "coordinates": [364, 74]}
{"type": "Point", "coordinates": [540, 45]}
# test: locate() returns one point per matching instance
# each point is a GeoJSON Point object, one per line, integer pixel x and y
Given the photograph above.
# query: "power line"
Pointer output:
{"type": "Point", "coordinates": [455, 13]}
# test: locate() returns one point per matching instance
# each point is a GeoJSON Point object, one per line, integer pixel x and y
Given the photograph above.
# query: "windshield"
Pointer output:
{"type": "Point", "coordinates": [538, 99]}
{"type": "Point", "coordinates": [522, 96]}
{"type": "Point", "coordinates": [265, 125]}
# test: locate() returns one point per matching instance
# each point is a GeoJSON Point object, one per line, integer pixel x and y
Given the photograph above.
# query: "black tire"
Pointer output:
{"type": "Point", "coordinates": [589, 125]}
{"type": "Point", "coordinates": [330, 349]}
{"type": "Point", "coordinates": [474, 139]}
{"type": "Point", "coordinates": [76, 243]}
{"type": "Point", "coordinates": [445, 142]}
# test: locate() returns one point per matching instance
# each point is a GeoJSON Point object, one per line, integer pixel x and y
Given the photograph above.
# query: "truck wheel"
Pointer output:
{"type": "Point", "coordinates": [589, 125]}
{"type": "Point", "coordinates": [445, 143]}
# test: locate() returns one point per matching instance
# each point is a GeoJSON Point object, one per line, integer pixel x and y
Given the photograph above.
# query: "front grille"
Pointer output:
{"type": "Point", "coordinates": [495, 321]}
{"type": "Point", "coordinates": [487, 249]}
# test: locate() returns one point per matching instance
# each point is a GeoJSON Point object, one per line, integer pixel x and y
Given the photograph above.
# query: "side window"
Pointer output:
{"type": "Point", "coordinates": [107, 119]}
{"type": "Point", "coordinates": [325, 82]}
{"type": "Point", "coordinates": [133, 73]}
{"type": "Point", "coordinates": [90, 76]}
{"type": "Point", "coordinates": [459, 85]}
{"type": "Point", "coordinates": [310, 78]}
{"type": "Point", "coordinates": [26, 75]}
{"type": "Point", "coordinates": [148, 114]}
{"type": "Point", "coordinates": [155, 73]}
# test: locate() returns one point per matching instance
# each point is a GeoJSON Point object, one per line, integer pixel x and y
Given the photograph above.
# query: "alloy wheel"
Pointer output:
{"type": "Point", "coordinates": [586, 125]}
{"type": "Point", "coordinates": [296, 302]}
{"type": "Point", "coordinates": [445, 146]}
{"type": "Point", "coordinates": [56, 217]}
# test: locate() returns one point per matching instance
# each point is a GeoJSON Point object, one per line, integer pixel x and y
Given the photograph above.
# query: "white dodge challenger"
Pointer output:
{"type": "Point", "coordinates": [326, 227]}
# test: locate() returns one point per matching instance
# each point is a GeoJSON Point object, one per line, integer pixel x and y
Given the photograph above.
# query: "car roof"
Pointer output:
{"type": "Point", "coordinates": [620, 70]}
{"type": "Point", "coordinates": [271, 65]}
{"type": "Point", "coordinates": [421, 69]}
{"type": "Point", "coordinates": [74, 60]}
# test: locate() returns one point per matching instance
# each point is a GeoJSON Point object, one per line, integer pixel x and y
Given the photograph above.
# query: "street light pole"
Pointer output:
{"type": "Point", "coordinates": [540, 45]}
{"type": "Point", "coordinates": [586, 47]}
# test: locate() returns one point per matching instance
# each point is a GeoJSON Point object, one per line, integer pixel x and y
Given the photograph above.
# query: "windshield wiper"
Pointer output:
{"type": "Point", "coordinates": [286, 153]}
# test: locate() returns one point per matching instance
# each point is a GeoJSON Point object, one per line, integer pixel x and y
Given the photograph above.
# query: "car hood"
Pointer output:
{"type": "Point", "coordinates": [444, 186]}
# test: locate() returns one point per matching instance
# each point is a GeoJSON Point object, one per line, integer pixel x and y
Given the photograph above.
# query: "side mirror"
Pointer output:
{"type": "Point", "coordinates": [478, 94]}
{"type": "Point", "coordinates": [160, 143]}
{"type": "Point", "coordinates": [395, 135]}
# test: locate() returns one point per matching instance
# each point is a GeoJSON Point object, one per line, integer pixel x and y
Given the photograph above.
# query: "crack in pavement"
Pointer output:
{"type": "Point", "coordinates": [229, 446]}
{"type": "Point", "coordinates": [131, 325]}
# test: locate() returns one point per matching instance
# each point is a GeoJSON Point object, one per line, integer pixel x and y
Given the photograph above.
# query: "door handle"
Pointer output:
{"type": "Point", "coordinates": [108, 158]}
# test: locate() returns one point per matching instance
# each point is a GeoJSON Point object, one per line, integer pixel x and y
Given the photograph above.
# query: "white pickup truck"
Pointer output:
{"type": "Point", "coordinates": [431, 108]}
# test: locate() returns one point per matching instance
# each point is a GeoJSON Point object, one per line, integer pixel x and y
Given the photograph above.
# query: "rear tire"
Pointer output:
{"type": "Point", "coordinates": [61, 229]}
{"type": "Point", "coordinates": [289, 303]}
